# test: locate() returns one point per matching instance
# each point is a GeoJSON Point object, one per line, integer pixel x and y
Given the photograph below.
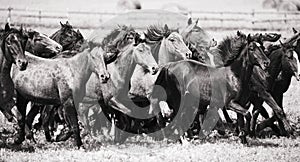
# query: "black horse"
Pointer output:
{"type": "Point", "coordinates": [188, 84]}
{"type": "Point", "coordinates": [283, 67]}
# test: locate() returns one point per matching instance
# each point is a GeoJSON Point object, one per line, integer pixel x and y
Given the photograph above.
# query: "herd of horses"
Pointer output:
{"type": "Point", "coordinates": [164, 82]}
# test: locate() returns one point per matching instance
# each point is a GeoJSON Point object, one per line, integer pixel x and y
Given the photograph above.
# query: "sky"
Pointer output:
{"type": "Point", "coordinates": [110, 5]}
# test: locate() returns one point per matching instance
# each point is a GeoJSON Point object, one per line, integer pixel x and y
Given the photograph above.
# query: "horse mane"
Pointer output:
{"type": "Point", "coordinates": [157, 33]}
{"type": "Point", "coordinates": [112, 45]}
{"type": "Point", "coordinates": [230, 48]}
{"type": "Point", "coordinates": [110, 39]}
{"type": "Point", "coordinates": [272, 48]}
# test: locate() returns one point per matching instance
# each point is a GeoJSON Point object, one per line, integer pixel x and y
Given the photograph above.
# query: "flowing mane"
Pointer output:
{"type": "Point", "coordinates": [157, 33]}
{"type": "Point", "coordinates": [115, 41]}
{"type": "Point", "coordinates": [230, 48]}
{"type": "Point", "coordinates": [115, 38]}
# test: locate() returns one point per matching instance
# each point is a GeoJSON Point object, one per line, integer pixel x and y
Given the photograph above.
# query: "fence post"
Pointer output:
{"type": "Point", "coordinates": [9, 14]}
{"type": "Point", "coordinates": [40, 15]}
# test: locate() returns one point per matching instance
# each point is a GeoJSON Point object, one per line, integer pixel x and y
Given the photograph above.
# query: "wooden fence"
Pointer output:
{"type": "Point", "coordinates": [255, 20]}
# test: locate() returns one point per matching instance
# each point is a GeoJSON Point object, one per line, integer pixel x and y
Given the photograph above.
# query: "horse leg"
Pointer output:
{"type": "Point", "coordinates": [83, 112]}
{"type": "Point", "coordinates": [241, 112]}
{"type": "Point", "coordinates": [21, 106]}
{"type": "Point", "coordinates": [46, 115]}
{"type": "Point", "coordinates": [72, 119]}
{"type": "Point", "coordinates": [257, 103]}
{"type": "Point", "coordinates": [226, 115]}
{"type": "Point", "coordinates": [278, 112]}
{"type": "Point", "coordinates": [35, 109]}
{"type": "Point", "coordinates": [211, 119]}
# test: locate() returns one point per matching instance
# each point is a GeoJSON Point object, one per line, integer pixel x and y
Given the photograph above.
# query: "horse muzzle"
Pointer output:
{"type": "Point", "coordinates": [104, 77]}
{"type": "Point", "coordinates": [22, 64]}
{"type": "Point", "coordinates": [297, 76]}
{"type": "Point", "coordinates": [154, 70]}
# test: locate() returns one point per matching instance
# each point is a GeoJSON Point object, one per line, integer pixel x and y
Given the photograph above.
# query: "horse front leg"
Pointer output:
{"type": "Point", "coordinates": [71, 118]}
{"type": "Point", "coordinates": [83, 116]}
{"type": "Point", "coordinates": [21, 106]}
{"type": "Point", "coordinates": [241, 112]}
{"type": "Point", "coordinates": [279, 113]}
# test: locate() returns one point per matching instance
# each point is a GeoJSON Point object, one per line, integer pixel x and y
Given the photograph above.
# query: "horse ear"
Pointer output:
{"type": "Point", "coordinates": [21, 28]}
{"type": "Point", "coordinates": [67, 23]}
{"type": "Point", "coordinates": [295, 31]}
{"type": "Point", "coordinates": [166, 27]}
{"type": "Point", "coordinates": [31, 34]}
{"type": "Point", "coordinates": [281, 43]}
{"type": "Point", "coordinates": [61, 24]}
{"type": "Point", "coordinates": [249, 38]}
{"type": "Point", "coordinates": [7, 27]}
{"type": "Point", "coordinates": [190, 21]}
{"type": "Point", "coordinates": [197, 21]}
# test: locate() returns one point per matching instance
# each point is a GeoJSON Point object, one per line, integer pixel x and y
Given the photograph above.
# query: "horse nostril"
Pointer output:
{"type": "Point", "coordinates": [266, 63]}
{"type": "Point", "coordinates": [101, 76]}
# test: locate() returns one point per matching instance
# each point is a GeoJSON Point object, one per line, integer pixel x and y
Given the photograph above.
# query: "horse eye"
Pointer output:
{"type": "Point", "coordinates": [37, 39]}
{"type": "Point", "coordinates": [172, 40]}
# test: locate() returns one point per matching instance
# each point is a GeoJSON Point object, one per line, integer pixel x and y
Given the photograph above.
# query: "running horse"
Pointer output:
{"type": "Point", "coordinates": [187, 84]}
{"type": "Point", "coordinates": [13, 44]}
{"type": "Point", "coordinates": [283, 67]}
{"type": "Point", "coordinates": [131, 53]}
{"type": "Point", "coordinates": [167, 46]}
{"type": "Point", "coordinates": [58, 81]}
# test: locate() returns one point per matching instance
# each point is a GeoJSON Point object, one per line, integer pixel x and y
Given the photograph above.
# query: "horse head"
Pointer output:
{"type": "Point", "coordinates": [255, 54]}
{"type": "Point", "coordinates": [289, 62]}
{"type": "Point", "coordinates": [41, 45]}
{"type": "Point", "coordinates": [13, 46]}
{"type": "Point", "coordinates": [172, 46]}
{"type": "Point", "coordinates": [98, 64]}
{"type": "Point", "coordinates": [143, 57]}
{"type": "Point", "coordinates": [196, 35]}
{"type": "Point", "coordinates": [68, 37]}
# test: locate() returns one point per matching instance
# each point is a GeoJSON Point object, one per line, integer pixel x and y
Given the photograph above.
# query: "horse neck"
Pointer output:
{"type": "Point", "coordinates": [55, 36]}
{"type": "Point", "coordinates": [5, 65]}
{"type": "Point", "coordinates": [243, 70]}
{"type": "Point", "coordinates": [125, 66]}
{"type": "Point", "coordinates": [286, 79]}
{"type": "Point", "coordinates": [81, 65]}
{"type": "Point", "coordinates": [29, 47]}
{"type": "Point", "coordinates": [275, 65]}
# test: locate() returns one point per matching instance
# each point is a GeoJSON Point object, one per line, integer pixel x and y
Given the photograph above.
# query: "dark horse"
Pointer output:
{"type": "Point", "coordinates": [13, 43]}
{"type": "Point", "coordinates": [40, 44]}
{"type": "Point", "coordinates": [283, 66]}
{"type": "Point", "coordinates": [185, 85]}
